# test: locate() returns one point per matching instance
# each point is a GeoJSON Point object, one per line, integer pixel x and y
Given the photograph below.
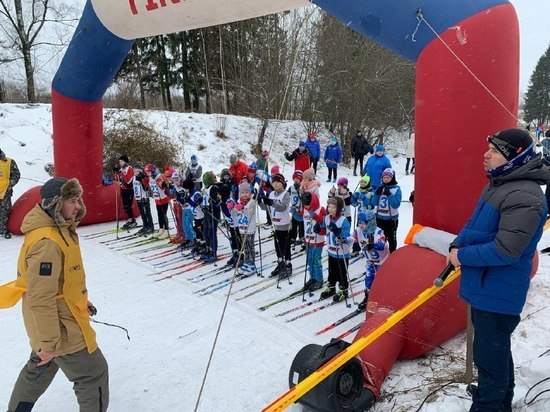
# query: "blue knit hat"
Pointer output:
{"type": "Point", "coordinates": [302, 143]}
{"type": "Point", "coordinates": [380, 148]}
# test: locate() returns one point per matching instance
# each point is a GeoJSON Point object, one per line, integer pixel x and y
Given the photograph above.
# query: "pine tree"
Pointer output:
{"type": "Point", "coordinates": [537, 99]}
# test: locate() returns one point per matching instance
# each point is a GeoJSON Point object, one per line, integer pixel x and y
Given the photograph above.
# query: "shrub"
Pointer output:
{"type": "Point", "coordinates": [131, 135]}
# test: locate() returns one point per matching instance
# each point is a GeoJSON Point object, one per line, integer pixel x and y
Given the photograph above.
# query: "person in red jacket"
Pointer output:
{"type": "Point", "coordinates": [301, 157]}
{"type": "Point", "coordinates": [125, 177]}
{"type": "Point", "coordinates": [238, 169]}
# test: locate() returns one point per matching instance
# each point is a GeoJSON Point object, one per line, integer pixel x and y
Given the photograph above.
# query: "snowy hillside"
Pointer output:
{"type": "Point", "coordinates": [172, 311]}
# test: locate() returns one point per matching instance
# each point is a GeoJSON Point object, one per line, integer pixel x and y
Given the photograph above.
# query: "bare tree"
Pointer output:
{"type": "Point", "coordinates": [22, 23]}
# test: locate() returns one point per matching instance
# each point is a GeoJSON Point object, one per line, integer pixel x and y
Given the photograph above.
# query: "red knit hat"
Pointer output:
{"type": "Point", "coordinates": [297, 175]}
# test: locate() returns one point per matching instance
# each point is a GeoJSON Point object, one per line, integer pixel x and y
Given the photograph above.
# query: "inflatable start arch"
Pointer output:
{"type": "Point", "coordinates": [453, 115]}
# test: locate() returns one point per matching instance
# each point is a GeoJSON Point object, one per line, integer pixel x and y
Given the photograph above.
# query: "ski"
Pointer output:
{"type": "Point", "coordinates": [158, 255]}
{"type": "Point", "coordinates": [138, 243]}
{"type": "Point", "coordinates": [344, 319]}
{"type": "Point", "coordinates": [311, 302]}
{"type": "Point", "coordinates": [262, 308]}
{"type": "Point", "coordinates": [103, 233]}
{"type": "Point", "coordinates": [151, 248]}
{"type": "Point", "coordinates": [119, 240]}
{"type": "Point", "coordinates": [226, 282]}
{"type": "Point", "coordinates": [197, 264]}
{"type": "Point", "coordinates": [318, 308]}
{"type": "Point", "coordinates": [350, 331]}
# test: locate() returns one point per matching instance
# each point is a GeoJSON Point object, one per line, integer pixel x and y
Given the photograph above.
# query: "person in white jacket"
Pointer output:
{"type": "Point", "coordinates": [410, 154]}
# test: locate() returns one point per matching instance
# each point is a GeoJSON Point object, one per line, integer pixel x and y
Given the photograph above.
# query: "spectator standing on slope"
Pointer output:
{"type": "Point", "coordinates": [314, 148]}
{"type": "Point", "coordinates": [9, 176]}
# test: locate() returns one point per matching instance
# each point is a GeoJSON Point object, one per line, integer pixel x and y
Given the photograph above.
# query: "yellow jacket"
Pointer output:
{"type": "Point", "coordinates": [51, 282]}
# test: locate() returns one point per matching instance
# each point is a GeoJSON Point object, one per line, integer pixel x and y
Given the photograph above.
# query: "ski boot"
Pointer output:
{"type": "Point", "coordinates": [328, 292]}
{"type": "Point", "coordinates": [140, 232]}
{"type": "Point", "coordinates": [286, 271]}
{"type": "Point", "coordinates": [363, 304]}
{"type": "Point", "coordinates": [277, 270]}
{"type": "Point", "coordinates": [210, 258]}
{"type": "Point", "coordinates": [248, 269]}
{"type": "Point", "coordinates": [341, 295]}
{"type": "Point", "coordinates": [302, 244]}
{"type": "Point", "coordinates": [130, 223]}
{"type": "Point", "coordinates": [316, 285]}
{"type": "Point", "coordinates": [308, 285]}
{"type": "Point", "coordinates": [149, 230]}
{"type": "Point", "coordinates": [6, 235]}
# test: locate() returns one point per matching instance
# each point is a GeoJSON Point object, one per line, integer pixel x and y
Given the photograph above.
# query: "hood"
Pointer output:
{"type": "Point", "coordinates": [314, 205]}
{"type": "Point", "coordinates": [38, 218]}
{"type": "Point", "coordinates": [534, 170]}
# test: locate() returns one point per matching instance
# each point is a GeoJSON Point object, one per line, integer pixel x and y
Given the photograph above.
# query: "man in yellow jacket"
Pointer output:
{"type": "Point", "coordinates": [9, 176]}
{"type": "Point", "coordinates": [52, 285]}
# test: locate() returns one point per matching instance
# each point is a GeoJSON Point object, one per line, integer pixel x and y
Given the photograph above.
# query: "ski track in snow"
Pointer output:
{"type": "Point", "coordinates": [172, 328]}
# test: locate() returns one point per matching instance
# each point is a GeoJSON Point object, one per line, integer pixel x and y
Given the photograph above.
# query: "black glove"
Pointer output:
{"type": "Point", "coordinates": [116, 169]}
{"type": "Point", "coordinates": [370, 246]}
{"type": "Point", "coordinates": [267, 201]}
{"type": "Point", "coordinates": [335, 229]}
{"type": "Point", "coordinates": [387, 191]}
{"type": "Point", "coordinates": [92, 310]}
{"type": "Point", "coordinates": [379, 190]}
{"type": "Point", "coordinates": [316, 228]}
{"type": "Point", "coordinates": [341, 240]}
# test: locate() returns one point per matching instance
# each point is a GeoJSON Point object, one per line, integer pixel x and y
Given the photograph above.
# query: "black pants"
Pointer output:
{"type": "Point", "coordinates": [297, 229]}
{"type": "Point", "coordinates": [407, 164]}
{"type": "Point", "coordinates": [493, 358]}
{"type": "Point", "coordinates": [332, 171]}
{"type": "Point", "coordinates": [145, 211]}
{"type": "Point", "coordinates": [127, 196]}
{"type": "Point", "coordinates": [358, 158]}
{"type": "Point", "coordinates": [337, 272]}
{"type": "Point", "coordinates": [313, 163]}
{"type": "Point", "coordinates": [390, 230]}
{"type": "Point", "coordinates": [236, 239]}
{"type": "Point", "coordinates": [210, 229]}
{"type": "Point", "coordinates": [162, 211]}
{"type": "Point", "coordinates": [282, 244]}
{"type": "Point", "coordinates": [198, 228]}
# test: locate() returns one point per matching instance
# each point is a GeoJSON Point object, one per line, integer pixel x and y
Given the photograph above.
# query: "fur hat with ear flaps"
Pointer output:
{"type": "Point", "coordinates": [55, 191]}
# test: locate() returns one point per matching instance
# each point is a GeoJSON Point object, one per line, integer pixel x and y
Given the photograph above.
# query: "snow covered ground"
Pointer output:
{"type": "Point", "coordinates": [173, 322]}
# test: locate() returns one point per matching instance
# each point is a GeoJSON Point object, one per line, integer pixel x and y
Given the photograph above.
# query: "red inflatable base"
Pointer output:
{"type": "Point", "coordinates": [100, 201]}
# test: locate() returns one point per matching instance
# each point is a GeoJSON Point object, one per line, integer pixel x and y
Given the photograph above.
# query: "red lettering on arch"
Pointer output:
{"type": "Point", "coordinates": [133, 6]}
{"type": "Point", "coordinates": [151, 5]}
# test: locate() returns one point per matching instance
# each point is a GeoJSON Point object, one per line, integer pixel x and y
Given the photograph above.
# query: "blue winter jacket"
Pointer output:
{"type": "Point", "coordinates": [333, 155]}
{"type": "Point", "coordinates": [314, 148]}
{"type": "Point", "coordinates": [497, 244]}
{"type": "Point", "coordinates": [374, 168]}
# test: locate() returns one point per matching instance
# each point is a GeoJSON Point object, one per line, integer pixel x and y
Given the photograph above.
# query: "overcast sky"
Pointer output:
{"type": "Point", "coordinates": [534, 23]}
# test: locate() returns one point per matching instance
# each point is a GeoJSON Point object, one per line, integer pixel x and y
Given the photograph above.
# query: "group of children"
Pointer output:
{"type": "Point", "coordinates": [201, 203]}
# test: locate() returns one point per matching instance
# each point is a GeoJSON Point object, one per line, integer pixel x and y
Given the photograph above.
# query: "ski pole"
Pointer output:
{"type": "Point", "coordinates": [305, 274]}
{"type": "Point", "coordinates": [259, 243]}
{"type": "Point", "coordinates": [117, 191]}
{"type": "Point", "coordinates": [348, 305]}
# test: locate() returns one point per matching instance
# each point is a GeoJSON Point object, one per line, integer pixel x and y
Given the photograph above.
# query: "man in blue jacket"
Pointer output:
{"type": "Point", "coordinates": [314, 148]}
{"type": "Point", "coordinates": [495, 251]}
{"type": "Point", "coordinates": [376, 165]}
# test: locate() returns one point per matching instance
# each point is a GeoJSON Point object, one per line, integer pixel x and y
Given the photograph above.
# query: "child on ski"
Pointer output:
{"type": "Point", "coordinates": [373, 243]}
{"type": "Point", "coordinates": [211, 200]}
{"type": "Point", "coordinates": [338, 240]}
{"type": "Point", "coordinates": [296, 210]}
{"type": "Point", "coordinates": [159, 186]}
{"type": "Point", "coordinates": [125, 176]}
{"type": "Point", "coordinates": [230, 215]}
{"type": "Point", "coordinates": [309, 183]}
{"type": "Point", "coordinates": [246, 208]}
{"type": "Point", "coordinates": [387, 199]}
{"type": "Point", "coordinates": [361, 198]}
{"type": "Point", "coordinates": [278, 203]}
{"type": "Point", "coordinates": [333, 157]}
{"type": "Point", "coordinates": [175, 189]}
{"type": "Point", "coordinates": [141, 194]}
{"type": "Point", "coordinates": [343, 193]}
{"type": "Point", "coordinates": [194, 200]}
{"type": "Point", "coordinates": [314, 214]}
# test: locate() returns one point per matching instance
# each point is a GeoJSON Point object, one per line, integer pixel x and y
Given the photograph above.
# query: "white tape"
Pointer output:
{"type": "Point", "coordinates": [437, 240]}
{"type": "Point", "coordinates": [133, 19]}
